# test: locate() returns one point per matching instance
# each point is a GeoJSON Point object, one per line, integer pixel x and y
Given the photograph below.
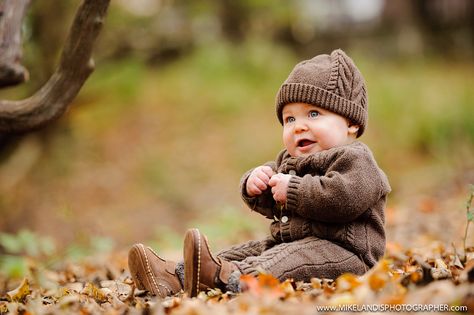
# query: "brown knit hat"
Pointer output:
{"type": "Point", "coordinates": [332, 82]}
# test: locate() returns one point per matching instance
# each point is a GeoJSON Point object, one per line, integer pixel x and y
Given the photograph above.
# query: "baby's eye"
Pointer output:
{"type": "Point", "coordinates": [289, 119]}
{"type": "Point", "coordinates": [313, 114]}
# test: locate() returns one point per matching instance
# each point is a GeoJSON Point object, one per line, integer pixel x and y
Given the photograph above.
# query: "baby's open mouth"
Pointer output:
{"type": "Point", "coordinates": [304, 142]}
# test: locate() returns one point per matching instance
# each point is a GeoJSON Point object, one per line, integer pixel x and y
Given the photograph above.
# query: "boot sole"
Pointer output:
{"type": "Point", "coordinates": [192, 262]}
{"type": "Point", "coordinates": [138, 261]}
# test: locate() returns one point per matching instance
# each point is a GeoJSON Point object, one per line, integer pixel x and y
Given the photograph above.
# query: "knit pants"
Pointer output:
{"type": "Point", "coordinates": [300, 260]}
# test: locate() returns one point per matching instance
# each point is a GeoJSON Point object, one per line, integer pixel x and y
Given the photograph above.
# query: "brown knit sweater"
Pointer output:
{"type": "Point", "coordinates": [337, 194]}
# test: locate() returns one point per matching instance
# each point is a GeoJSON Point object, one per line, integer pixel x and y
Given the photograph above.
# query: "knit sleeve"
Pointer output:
{"type": "Point", "coordinates": [263, 203]}
{"type": "Point", "coordinates": [351, 184]}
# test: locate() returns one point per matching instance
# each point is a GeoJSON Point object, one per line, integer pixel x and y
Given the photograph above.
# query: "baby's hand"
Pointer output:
{"type": "Point", "coordinates": [258, 180]}
{"type": "Point", "coordinates": [279, 183]}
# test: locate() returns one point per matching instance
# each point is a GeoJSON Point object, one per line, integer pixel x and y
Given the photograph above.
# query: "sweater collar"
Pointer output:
{"type": "Point", "coordinates": [323, 157]}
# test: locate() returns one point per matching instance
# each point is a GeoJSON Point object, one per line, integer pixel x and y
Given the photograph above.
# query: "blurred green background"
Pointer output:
{"type": "Point", "coordinates": [181, 104]}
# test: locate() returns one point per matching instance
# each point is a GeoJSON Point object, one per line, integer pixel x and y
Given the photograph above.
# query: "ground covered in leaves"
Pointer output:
{"type": "Point", "coordinates": [427, 276]}
{"type": "Point", "coordinates": [433, 279]}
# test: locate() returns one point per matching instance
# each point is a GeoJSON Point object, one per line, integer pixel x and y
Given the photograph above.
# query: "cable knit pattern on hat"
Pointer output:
{"type": "Point", "coordinates": [332, 82]}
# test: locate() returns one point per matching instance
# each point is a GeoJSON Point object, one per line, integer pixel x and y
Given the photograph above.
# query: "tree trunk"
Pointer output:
{"type": "Point", "coordinates": [75, 66]}
{"type": "Point", "coordinates": [12, 13]}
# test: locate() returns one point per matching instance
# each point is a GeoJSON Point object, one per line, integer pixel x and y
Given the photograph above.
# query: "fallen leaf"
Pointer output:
{"type": "Point", "coordinates": [117, 287]}
{"type": "Point", "coordinates": [343, 299]}
{"type": "Point", "coordinates": [20, 293]}
{"type": "Point", "coordinates": [427, 276]}
{"type": "Point", "coordinates": [440, 271]}
{"type": "Point", "coordinates": [3, 308]}
{"type": "Point", "coordinates": [439, 263]}
{"type": "Point", "coordinates": [170, 304]}
{"type": "Point", "coordinates": [68, 300]}
{"type": "Point", "coordinates": [94, 292]}
{"type": "Point", "coordinates": [379, 276]}
{"type": "Point", "coordinates": [267, 281]}
{"type": "Point", "coordinates": [347, 282]}
{"type": "Point", "coordinates": [287, 287]}
{"type": "Point", "coordinates": [316, 283]}
{"type": "Point", "coordinates": [63, 292]}
{"type": "Point", "coordinates": [416, 276]}
{"type": "Point", "coordinates": [468, 273]}
{"type": "Point", "coordinates": [250, 284]}
{"type": "Point", "coordinates": [377, 281]}
{"type": "Point", "coordinates": [328, 287]}
{"type": "Point", "coordinates": [265, 284]}
{"type": "Point", "coordinates": [457, 262]}
{"type": "Point", "coordinates": [75, 286]}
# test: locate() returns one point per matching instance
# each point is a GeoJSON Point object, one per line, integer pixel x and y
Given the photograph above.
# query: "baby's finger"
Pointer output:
{"type": "Point", "coordinates": [277, 197]}
{"type": "Point", "coordinates": [263, 177]}
{"type": "Point", "coordinates": [253, 190]}
{"type": "Point", "coordinates": [260, 183]}
{"type": "Point", "coordinates": [274, 189]}
{"type": "Point", "coordinates": [268, 170]}
{"type": "Point", "coordinates": [274, 180]}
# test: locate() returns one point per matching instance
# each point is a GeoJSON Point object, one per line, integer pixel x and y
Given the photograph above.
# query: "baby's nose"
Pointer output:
{"type": "Point", "coordinates": [301, 126]}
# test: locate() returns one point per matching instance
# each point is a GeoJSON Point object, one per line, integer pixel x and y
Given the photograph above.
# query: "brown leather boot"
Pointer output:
{"type": "Point", "coordinates": [203, 271]}
{"type": "Point", "coordinates": [152, 273]}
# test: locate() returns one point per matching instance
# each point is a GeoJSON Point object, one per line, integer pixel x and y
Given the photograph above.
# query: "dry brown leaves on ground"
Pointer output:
{"type": "Point", "coordinates": [433, 279]}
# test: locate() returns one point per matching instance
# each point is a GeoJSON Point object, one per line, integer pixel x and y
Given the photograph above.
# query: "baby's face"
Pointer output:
{"type": "Point", "coordinates": [309, 129]}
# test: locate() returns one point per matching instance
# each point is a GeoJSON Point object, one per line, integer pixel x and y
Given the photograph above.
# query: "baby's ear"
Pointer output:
{"type": "Point", "coordinates": [353, 129]}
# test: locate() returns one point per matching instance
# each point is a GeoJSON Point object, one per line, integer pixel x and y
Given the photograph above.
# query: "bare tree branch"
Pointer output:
{"type": "Point", "coordinates": [12, 13]}
{"type": "Point", "coordinates": [75, 66]}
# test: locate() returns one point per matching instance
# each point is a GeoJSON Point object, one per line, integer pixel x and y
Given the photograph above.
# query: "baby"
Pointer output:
{"type": "Point", "coordinates": [324, 193]}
